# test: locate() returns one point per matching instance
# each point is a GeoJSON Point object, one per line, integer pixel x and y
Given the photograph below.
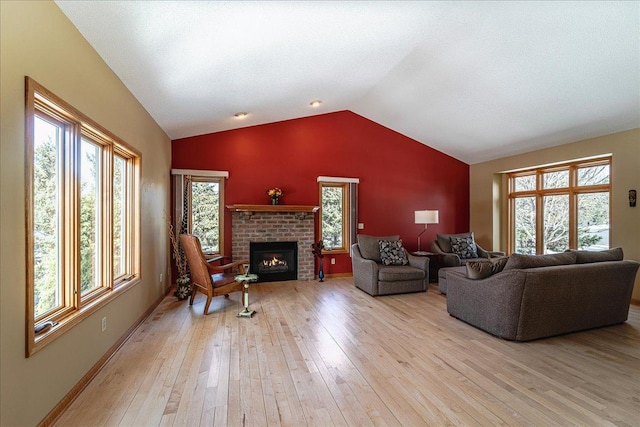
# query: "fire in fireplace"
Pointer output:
{"type": "Point", "coordinates": [273, 265]}
{"type": "Point", "coordinates": [274, 261]}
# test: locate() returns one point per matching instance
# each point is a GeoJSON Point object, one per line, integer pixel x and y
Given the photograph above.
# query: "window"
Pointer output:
{"type": "Point", "coordinates": [82, 247]}
{"type": "Point", "coordinates": [205, 215]}
{"type": "Point", "coordinates": [337, 213]}
{"type": "Point", "coordinates": [198, 206]}
{"type": "Point", "coordinates": [556, 208]}
{"type": "Point", "coordinates": [334, 208]}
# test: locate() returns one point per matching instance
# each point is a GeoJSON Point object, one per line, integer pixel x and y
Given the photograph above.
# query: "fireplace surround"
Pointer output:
{"type": "Point", "coordinates": [274, 223]}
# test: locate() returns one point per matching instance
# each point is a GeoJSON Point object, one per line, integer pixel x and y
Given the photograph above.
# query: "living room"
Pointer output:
{"type": "Point", "coordinates": [397, 176]}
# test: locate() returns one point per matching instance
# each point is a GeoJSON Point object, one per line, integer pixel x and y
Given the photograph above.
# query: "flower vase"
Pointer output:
{"type": "Point", "coordinates": [321, 272]}
{"type": "Point", "coordinates": [183, 288]}
{"type": "Point", "coordinates": [275, 200]}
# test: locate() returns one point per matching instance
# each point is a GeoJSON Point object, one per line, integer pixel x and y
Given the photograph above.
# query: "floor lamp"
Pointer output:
{"type": "Point", "coordinates": [425, 217]}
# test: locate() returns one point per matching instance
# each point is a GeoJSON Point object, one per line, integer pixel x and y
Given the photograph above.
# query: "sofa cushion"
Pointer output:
{"type": "Point", "coordinates": [392, 252]}
{"type": "Point", "coordinates": [519, 261]}
{"type": "Point", "coordinates": [485, 268]}
{"type": "Point", "coordinates": [585, 257]}
{"type": "Point", "coordinates": [464, 247]}
{"type": "Point", "coordinates": [444, 240]}
{"type": "Point", "coordinates": [397, 273]}
{"type": "Point", "coordinates": [370, 248]}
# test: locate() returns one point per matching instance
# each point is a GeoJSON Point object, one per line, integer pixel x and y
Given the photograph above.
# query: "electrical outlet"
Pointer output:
{"type": "Point", "coordinates": [104, 324]}
{"type": "Point", "coordinates": [161, 279]}
{"type": "Point", "coordinates": [361, 226]}
{"type": "Point", "coordinates": [333, 260]}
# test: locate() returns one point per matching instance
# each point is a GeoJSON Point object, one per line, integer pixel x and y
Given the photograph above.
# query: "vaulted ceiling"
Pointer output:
{"type": "Point", "coordinates": [475, 80]}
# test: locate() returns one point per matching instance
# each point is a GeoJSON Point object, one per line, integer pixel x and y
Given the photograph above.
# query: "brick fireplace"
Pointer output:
{"type": "Point", "coordinates": [274, 223]}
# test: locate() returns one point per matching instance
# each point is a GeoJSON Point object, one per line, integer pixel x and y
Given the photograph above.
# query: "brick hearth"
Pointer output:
{"type": "Point", "coordinates": [274, 226]}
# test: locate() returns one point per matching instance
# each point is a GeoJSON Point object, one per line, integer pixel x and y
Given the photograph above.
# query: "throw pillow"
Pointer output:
{"type": "Point", "coordinates": [392, 252]}
{"type": "Point", "coordinates": [482, 269]}
{"type": "Point", "coordinates": [519, 261]}
{"type": "Point", "coordinates": [464, 247]}
{"type": "Point", "coordinates": [585, 257]}
{"type": "Point", "coordinates": [499, 263]}
{"type": "Point", "coordinates": [478, 269]}
{"type": "Point", "coordinates": [369, 247]}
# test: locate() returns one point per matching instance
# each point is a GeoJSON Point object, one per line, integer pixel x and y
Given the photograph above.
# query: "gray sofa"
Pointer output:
{"type": "Point", "coordinates": [527, 301]}
{"type": "Point", "coordinates": [375, 278]}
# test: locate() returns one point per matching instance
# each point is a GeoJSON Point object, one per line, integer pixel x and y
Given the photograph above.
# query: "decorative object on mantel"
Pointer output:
{"type": "Point", "coordinates": [183, 283]}
{"type": "Point", "coordinates": [275, 194]}
{"type": "Point", "coordinates": [632, 198]}
{"type": "Point", "coordinates": [316, 249]}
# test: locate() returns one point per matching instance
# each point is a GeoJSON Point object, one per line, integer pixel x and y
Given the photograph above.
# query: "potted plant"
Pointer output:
{"type": "Point", "coordinates": [316, 249]}
{"type": "Point", "coordinates": [275, 194]}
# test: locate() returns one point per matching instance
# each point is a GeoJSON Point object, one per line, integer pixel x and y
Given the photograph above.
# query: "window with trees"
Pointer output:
{"type": "Point", "coordinates": [205, 213]}
{"type": "Point", "coordinates": [552, 209]}
{"type": "Point", "coordinates": [334, 216]}
{"type": "Point", "coordinates": [82, 216]}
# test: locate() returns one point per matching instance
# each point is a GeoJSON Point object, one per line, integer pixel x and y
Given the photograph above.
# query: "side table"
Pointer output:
{"type": "Point", "coordinates": [435, 262]}
{"type": "Point", "coordinates": [245, 279]}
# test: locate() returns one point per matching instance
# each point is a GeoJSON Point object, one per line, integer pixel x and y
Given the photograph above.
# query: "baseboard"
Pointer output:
{"type": "Point", "coordinates": [635, 302]}
{"type": "Point", "coordinates": [57, 410]}
{"type": "Point", "coordinates": [329, 276]}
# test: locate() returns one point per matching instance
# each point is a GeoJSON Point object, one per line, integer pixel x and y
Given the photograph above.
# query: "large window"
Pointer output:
{"type": "Point", "coordinates": [82, 216]}
{"type": "Point", "coordinates": [556, 208]}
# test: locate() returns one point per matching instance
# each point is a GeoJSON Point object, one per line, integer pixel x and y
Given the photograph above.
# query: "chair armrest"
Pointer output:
{"type": "Point", "coordinates": [365, 272]}
{"type": "Point", "coordinates": [483, 253]}
{"type": "Point", "coordinates": [213, 269]}
{"type": "Point", "coordinates": [448, 259]}
{"type": "Point", "coordinates": [421, 262]}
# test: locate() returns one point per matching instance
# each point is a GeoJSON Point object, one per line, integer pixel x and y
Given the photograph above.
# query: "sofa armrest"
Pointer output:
{"type": "Point", "coordinates": [492, 304]}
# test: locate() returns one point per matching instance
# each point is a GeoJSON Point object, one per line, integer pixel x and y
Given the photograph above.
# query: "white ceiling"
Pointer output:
{"type": "Point", "coordinates": [475, 80]}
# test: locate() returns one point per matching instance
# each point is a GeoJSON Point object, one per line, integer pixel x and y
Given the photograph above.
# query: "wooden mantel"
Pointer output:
{"type": "Point", "coordinates": [273, 208]}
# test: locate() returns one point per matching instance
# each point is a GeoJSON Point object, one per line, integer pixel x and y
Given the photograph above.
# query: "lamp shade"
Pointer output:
{"type": "Point", "coordinates": [426, 217]}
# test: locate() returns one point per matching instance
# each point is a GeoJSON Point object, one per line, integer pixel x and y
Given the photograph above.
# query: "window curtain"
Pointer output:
{"type": "Point", "coordinates": [353, 212]}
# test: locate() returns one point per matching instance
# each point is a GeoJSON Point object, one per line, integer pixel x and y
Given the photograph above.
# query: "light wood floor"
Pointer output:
{"type": "Point", "coordinates": [328, 354]}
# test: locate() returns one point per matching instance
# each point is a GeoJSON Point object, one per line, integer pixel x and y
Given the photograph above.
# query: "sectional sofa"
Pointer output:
{"type": "Point", "coordinates": [541, 296]}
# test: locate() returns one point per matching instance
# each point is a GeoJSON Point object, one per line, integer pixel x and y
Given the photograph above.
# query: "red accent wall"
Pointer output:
{"type": "Point", "coordinates": [398, 175]}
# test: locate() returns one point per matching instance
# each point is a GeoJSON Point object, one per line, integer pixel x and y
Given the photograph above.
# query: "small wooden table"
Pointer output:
{"type": "Point", "coordinates": [245, 279]}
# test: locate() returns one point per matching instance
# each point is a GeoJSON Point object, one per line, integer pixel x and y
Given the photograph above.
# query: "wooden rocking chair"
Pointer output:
{"type": "Point", "coordinates": [209, 279]}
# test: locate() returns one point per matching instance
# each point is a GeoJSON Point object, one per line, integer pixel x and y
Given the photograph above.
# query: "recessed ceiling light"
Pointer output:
{"type": "Point", "coordinates": [315, 103]}
{"type": "Point", "coordinates": [240, 115]}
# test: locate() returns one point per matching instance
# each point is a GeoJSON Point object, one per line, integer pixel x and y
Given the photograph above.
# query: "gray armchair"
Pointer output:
{"type": "Point", "coordinates": [375, 278]}
{"type": "Point", "coordinates": [442, 246]}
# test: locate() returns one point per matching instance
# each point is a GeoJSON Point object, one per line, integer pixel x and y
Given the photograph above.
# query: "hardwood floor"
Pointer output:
{"type": "Point", "coordinates": [328, 354]}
